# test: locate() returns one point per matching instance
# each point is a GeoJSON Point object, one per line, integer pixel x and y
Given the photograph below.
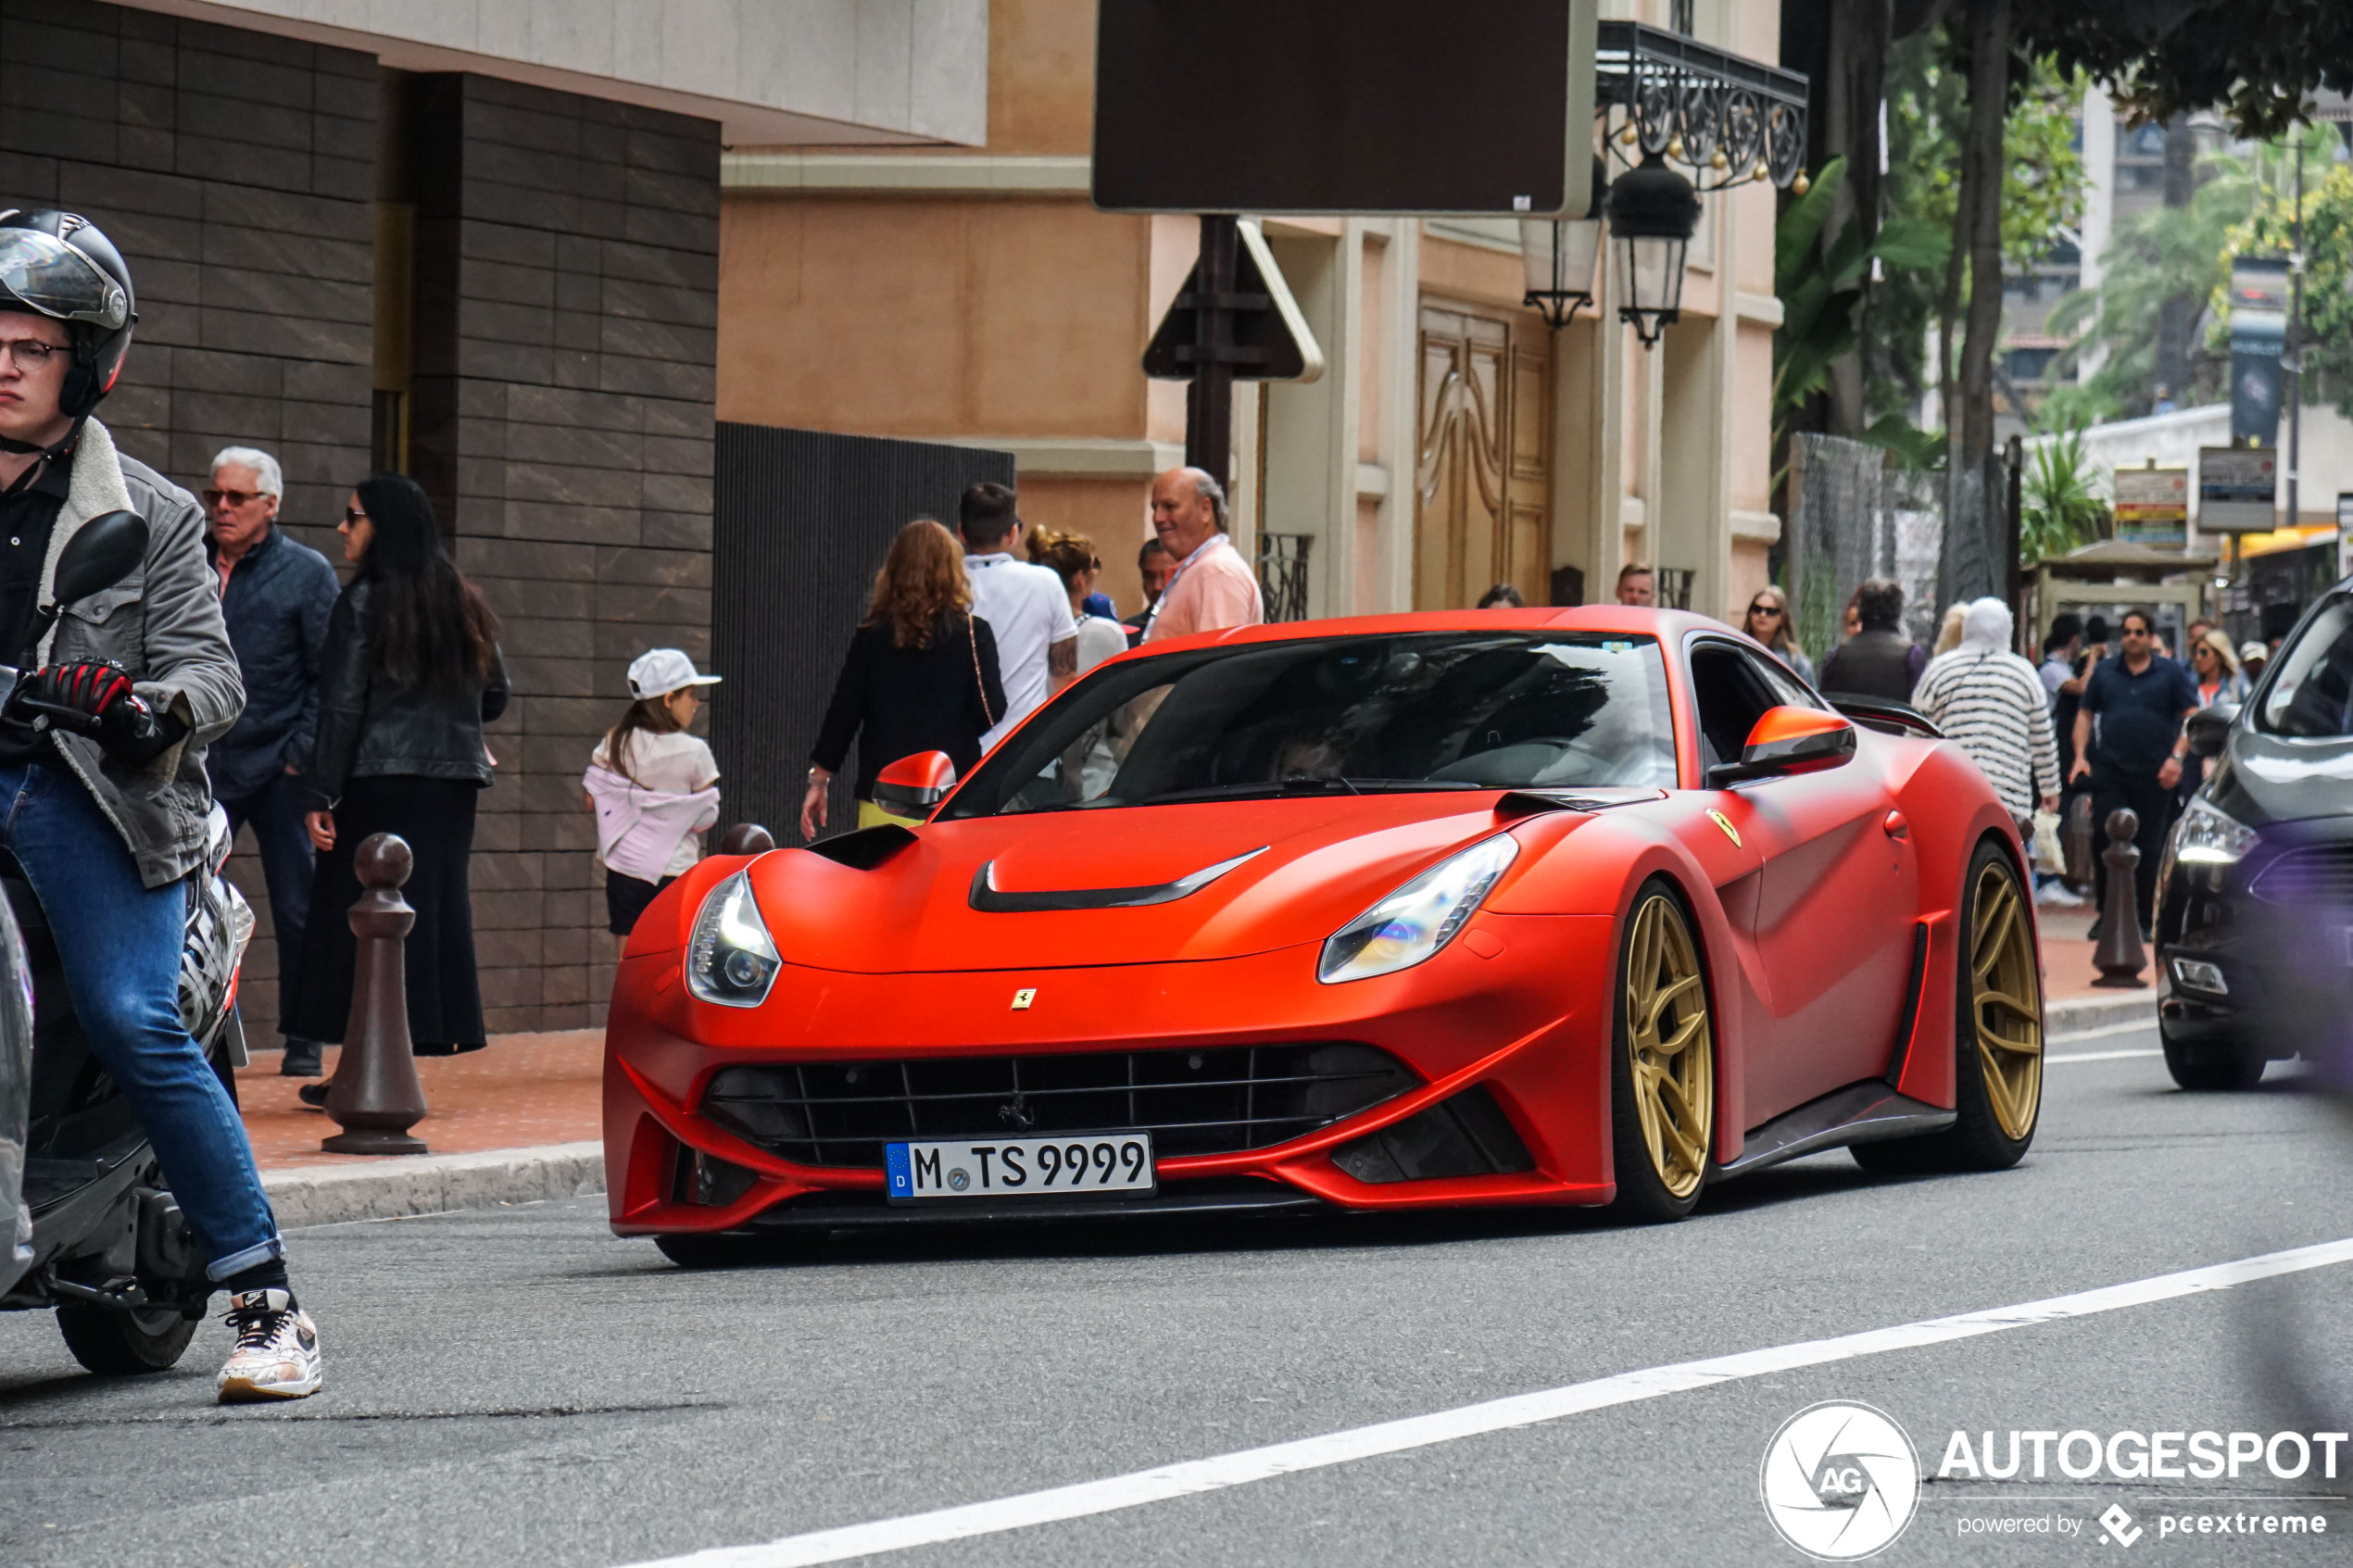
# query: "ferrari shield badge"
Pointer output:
{"type": "Point", "coordinates": [1022, 998]}
{"type": "Point", "coordinates": [1721, 821]}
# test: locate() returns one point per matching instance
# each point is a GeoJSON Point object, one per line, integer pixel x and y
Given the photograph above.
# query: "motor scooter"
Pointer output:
{"type": "Point", "coordinates": [91, 1231]}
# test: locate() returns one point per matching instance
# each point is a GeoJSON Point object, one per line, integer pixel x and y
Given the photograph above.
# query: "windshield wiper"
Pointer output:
{"type": "Point", "coordinates": [1269, 788]}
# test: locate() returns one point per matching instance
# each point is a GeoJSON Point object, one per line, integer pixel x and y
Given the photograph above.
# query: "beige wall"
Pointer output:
{"type": "Point", "coordinates": [976, 296]}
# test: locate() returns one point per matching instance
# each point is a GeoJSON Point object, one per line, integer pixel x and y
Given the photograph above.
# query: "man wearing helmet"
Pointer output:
{"type": "Point", "coordinates": [106, 824]}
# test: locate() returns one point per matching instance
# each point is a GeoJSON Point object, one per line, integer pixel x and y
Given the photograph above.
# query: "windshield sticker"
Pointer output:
{"type": "Point", "coordinates": [1617, 647]}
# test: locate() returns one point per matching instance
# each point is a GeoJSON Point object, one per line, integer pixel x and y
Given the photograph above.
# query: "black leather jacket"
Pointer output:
{"type": "Point", "coordinates": [368, 727]}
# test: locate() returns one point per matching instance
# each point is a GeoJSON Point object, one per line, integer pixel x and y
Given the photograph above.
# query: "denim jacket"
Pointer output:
{"type": "Point", "coordinates": [276, 607]}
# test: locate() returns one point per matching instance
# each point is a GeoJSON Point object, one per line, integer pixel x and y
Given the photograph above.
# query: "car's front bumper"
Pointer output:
{"type": "Point", "coordinates": [1520, 1005]}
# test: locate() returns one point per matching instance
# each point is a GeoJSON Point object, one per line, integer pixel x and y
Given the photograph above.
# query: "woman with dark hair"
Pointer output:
{"type": "Point", "coordinates": [408, 674]}
{"type": "Point", "coordinates": [921, 675]}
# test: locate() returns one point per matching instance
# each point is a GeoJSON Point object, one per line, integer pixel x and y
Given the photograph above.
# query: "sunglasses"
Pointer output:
{"type": "Point", "coordinates": [1764, 609]}
{"type": "Point", "coordinates": [230, 497]}
{"type": "Point", "coordinates": [353, 516]}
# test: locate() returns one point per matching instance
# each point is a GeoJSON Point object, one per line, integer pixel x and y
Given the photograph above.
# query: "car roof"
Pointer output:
{"type": "Point", "coordinates": [1667, 625]}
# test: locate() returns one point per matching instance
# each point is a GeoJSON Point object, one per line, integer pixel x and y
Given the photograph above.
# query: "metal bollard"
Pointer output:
{"type": "Point", "coordinates": [2119, 957]}
{"type": "Point", "coordinates": [376, 1096]}
{"type": "Point", "coordinates": [747, 838]}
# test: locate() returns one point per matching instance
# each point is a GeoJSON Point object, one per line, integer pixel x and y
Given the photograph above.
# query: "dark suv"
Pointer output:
{"type": "Point", "coordinates": [2255, 896]}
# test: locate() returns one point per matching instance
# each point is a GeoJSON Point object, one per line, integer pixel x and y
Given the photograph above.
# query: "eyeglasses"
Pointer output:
{"type": "Point", "coordinates": [353, 516]}
{"type": "Point", "coordinates": [230, 497]}
{"type": "Point", "coordinates": [30, 353]}
{"type": "Point", "coordinates": [1764, 609]}
{"type": "Point", "coordinates": [2138, 631]}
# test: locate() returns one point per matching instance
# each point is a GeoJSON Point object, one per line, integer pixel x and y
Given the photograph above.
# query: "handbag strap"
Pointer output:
{"type": "Point", "coordinates": [973, 633]}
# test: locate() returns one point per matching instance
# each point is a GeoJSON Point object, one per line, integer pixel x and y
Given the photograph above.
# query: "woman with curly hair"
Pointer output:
{"type": "Point", "coordinates": [921, 674]}
{"type": "Point", "coordinates": [1071, 558]}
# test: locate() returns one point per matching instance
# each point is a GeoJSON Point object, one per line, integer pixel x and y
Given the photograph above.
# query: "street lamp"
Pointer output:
{"type": "Point", "coordinates": [1562, 255]}
{"type": "Point", "coordinates": [1653, 211]}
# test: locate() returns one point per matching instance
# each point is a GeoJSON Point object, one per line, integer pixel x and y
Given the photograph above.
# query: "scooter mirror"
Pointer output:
{"type": "Point", "coordinates": [101, 552]}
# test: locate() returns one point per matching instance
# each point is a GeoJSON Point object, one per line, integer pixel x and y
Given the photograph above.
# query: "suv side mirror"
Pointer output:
{"type": "Point", "coordinates": [912, 785]}
{"type": "Point", "coordinates": [2209, 727]}
{"type": "Point", "coordinates": [1789, 740]}
{"type": "Point", "coordinates": [101, 552]}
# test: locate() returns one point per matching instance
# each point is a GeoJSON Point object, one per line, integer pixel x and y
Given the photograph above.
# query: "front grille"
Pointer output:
{"type": "Point", "coordinates": [1192, 1102]}
{"type": "Point", "coordinates": [2322, 875]}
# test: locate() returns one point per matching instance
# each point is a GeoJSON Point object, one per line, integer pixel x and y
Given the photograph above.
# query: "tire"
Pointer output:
{"type": "Point", "coordinates": [1662, 1064]}
{"type": "Point", "coordinates": [699, 1252]}
{"type": "Point", "coordinates": [2224, 1072]}
{"type": "Point", "coordinates": [116, 1344]}
{"type": "Point", "coordinates": [1998, 1068]}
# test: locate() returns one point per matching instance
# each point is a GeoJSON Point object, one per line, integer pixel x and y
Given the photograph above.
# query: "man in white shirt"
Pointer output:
{"type": "Point", "coordinates": [1026, 607]}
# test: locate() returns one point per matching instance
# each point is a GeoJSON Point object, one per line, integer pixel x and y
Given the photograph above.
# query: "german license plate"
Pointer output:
{"type": "Point", "coordinates": [1088, 1165]}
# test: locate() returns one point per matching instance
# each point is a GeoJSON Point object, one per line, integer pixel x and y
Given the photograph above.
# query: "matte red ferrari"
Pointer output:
{"type": "Point", "coordinates": [1560, 906]}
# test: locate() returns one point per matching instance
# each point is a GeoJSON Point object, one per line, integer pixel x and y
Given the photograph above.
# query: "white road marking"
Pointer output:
{"type": "Point", "coordinates": [2099, 1056]}
{"type": "Point", "coordinates": [1195, 1476]}
{"type": "Point", "coordinates": [2105, 1030]}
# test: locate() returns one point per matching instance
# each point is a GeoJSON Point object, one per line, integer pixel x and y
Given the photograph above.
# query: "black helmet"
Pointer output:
{"type": "Point", "coordinates": [58, 264]}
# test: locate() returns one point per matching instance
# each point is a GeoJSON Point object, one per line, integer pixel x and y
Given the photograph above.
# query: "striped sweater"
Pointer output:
{"type": "Point", "coordinates": [1994, 705]}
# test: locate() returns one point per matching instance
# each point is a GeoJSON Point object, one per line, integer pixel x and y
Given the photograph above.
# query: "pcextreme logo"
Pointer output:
{"type": "Point", "coordinates": [1839, 1481]}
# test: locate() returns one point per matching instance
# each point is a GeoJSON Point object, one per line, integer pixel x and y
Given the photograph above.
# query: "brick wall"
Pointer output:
{"type": "Point", "coordinates": [235, 171]}
{"type": "Point", "coordinates": [567, 305]}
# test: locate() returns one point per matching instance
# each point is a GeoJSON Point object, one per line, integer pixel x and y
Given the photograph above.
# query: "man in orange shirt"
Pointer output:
{"type": "Point", "coordinates": [1212, 587]}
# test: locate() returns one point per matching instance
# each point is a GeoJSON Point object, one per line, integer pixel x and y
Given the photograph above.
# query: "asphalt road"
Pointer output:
{"type": "Point", "coordinates": [518, 1388]}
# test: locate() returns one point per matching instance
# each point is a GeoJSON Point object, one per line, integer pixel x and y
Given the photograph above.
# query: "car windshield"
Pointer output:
{"type": "Point", "coordinates": [1448, 711]}
{"type": "Point", "coordinates": [2311, 697]}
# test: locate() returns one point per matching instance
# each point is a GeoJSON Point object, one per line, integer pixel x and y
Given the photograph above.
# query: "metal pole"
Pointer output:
{"type": "Point", "coordinates": [2294, 363]}
{"type": "Point", "coordinates": [2013, 529]}
{"type": "Point", "coordinates": [1209, 404]}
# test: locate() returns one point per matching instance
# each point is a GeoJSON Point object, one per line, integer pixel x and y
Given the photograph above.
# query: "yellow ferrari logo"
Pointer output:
{"type": "Point", "coordinates": [1022, 998]}
{"type": "Point", "coordinates": [1721, 821]}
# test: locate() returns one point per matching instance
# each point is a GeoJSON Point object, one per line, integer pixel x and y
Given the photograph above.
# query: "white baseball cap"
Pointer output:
{"type": "Point", "coordinates": [660, 671]}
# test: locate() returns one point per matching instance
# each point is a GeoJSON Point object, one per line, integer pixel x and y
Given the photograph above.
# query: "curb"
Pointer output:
{"type": "Point", "coordinates": [2078, 1013]}
{"type": "Point", "coordinates": [433, 1183]}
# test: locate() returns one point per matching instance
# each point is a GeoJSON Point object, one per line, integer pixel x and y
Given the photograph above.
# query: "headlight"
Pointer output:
{"type": "Point", "coordinates": [1419, 918]}
{"type": "Point", "coordinates": [730, 959]}
{"type": "Point", "coordinates": [2208, 836]}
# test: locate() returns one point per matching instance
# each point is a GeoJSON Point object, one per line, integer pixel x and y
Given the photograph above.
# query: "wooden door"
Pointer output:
{"type": "Point", "coordinates": [1484, 478]}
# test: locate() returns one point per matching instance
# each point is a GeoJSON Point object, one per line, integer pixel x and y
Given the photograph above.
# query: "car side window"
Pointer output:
{"type": "Point", "coordinates": [1731, 695]}
{"type": "Point", "coordinates": [1786, 689]}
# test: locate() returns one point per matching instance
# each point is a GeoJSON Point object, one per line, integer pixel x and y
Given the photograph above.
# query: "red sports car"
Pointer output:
{"type": "Point", "coordinates": [1562, 907]}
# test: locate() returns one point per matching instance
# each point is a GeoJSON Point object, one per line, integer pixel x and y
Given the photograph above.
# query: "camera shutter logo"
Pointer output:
{"type": "Point", "coordinates": [1839, 1481]}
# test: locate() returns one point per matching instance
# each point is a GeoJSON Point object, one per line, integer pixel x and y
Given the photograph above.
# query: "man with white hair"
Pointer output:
{"type": "Point", "coordinates": [275, 595]}
{"type": "Point", "coordinates": [1993, 703]}
{"type": "Point", "coordinates": [1212, 587]}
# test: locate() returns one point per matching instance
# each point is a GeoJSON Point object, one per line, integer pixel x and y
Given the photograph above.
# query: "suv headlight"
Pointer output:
{"type": "Point", "coordinates": [2208, 836]}
{"type": "Point", "coordinates": [1419, 918]}
{"type": "Point", "coordinates": [730, 959]}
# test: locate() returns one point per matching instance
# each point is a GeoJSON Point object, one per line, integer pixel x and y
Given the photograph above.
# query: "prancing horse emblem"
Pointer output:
{"type": "Point", "coordinates": [1721, 821]}
{"type": "Point", "coordinates": [1023, 997]}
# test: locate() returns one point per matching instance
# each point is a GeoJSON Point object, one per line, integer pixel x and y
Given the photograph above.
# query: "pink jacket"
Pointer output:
{"type": "Point", "coordinates": [640, 829]}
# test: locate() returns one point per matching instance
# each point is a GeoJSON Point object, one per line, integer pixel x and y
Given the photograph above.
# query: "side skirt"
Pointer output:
{"type": "Point", "coordinates": [1857, 1113]}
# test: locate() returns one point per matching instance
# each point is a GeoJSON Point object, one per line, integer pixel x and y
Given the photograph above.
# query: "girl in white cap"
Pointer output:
{"type": "Point", "coordinates": [653, 785]}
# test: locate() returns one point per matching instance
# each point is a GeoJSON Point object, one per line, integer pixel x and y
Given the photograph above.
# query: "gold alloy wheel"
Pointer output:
{"type": "Point", "coordinates": [2005, 1001]}
{"type": "Point", "coordinates": [1669, 1046]}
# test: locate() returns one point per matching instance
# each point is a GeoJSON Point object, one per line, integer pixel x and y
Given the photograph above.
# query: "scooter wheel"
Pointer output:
{"type": "Point", "coordinates": [117, 1344]}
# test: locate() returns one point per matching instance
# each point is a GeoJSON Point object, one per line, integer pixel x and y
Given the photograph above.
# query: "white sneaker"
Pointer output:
{"type": "Point", "coordinates": [277, 1353]}
{"type": "Point", "coordinates": [2052, 894]}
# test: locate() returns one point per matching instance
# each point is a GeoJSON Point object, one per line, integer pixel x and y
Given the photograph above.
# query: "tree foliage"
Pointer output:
{"type": "Point", "coordinates": [2060, 504]}
{"type": "Point", "coordinates": [2256, 60]}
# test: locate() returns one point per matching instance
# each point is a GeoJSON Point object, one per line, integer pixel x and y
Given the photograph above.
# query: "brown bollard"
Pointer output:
{"type": "Point", "coordinates": [376, 1095]}
{"type": "Point", "coordinates": [2119, 957]}
{"type": "Point", "coordinates": [747, 838]}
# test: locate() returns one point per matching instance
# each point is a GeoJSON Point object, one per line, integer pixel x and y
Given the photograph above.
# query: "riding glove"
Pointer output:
{"type": "Point", "coordinates": [128, 728]}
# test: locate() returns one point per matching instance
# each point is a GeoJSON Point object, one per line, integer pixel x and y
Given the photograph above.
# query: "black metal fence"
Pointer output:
{"type": "Point", "coordinates": [1282, 574]}
{"type": "Point", "coordinates": [800, 521]}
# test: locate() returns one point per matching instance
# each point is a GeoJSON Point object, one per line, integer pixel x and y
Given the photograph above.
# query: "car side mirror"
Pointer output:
{"type": "Point", "coordinates": [101, 552]}
{"type": "Point", "coordinates": [912, 785]}
{"type": "Point", "coordinates": [1789, 740]}
{"type": "Point", "coordinates": [2209, 727]}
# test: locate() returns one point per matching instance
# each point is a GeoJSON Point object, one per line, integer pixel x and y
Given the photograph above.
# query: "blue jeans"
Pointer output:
{"type": "Point", "coordinates": [120, 943]}
{"type": "Point", "coordinates": [275, 811]}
